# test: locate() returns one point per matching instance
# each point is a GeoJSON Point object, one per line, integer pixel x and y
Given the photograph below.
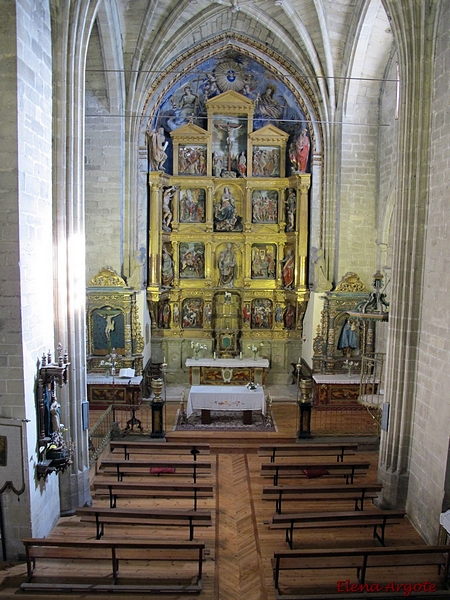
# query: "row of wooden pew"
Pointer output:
{"type": "Point", "coordinates": [121, 475]}
{"type": "Point", "coordinates": [289, 565]}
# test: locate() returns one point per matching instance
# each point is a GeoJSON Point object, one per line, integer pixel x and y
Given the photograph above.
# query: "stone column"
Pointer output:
{"type": "Point", "coordinates": [414, 28]}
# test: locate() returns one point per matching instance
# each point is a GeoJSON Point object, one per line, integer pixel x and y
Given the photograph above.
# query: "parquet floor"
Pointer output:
{"type": "Point", "coordinates": [240, 544]}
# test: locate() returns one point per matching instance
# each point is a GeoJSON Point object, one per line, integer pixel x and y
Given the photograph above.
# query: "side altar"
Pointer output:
{"type": "Point", "coordinates": [113, 390]}
{"type": "Point", "coordinates": [223, 371]}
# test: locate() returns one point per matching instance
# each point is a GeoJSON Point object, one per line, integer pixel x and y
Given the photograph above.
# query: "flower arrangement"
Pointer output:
{"type": "Point", "coordinates": [106, 363]}
{"type": "Point", "coordinates": [349, 364]}
{"type": "Point", "coordinates": [198, 347]}
{"type": "Point", "coordinates": [110, 364]}
{"type": "Point", "coordinates": [255, 349]}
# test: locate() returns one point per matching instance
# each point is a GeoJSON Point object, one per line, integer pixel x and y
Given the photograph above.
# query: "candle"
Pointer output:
{"type": "Point", "coordinates": [164, 359]}
{"type": "Point", "coordinates": [214, 356]}
{"type": "Point", "coordinates": [240, 355]}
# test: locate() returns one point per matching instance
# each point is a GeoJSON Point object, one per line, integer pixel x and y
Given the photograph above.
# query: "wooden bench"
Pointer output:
{"type": "Point", "coordinates": [326, 449]}
{"type": "Point", "coordinates": [148, 447]}
{"type": "Point", "coordinates": [148, 489]}
{"type": "Point", "coordinates": [361, 559]}
{"type": "Point", "coordinates": [378, 519]}
{"type": "Point", "coordinates": [143, 466]}
{"type": "Point", "coordinates": [144, 516]}
{"type": "Point", "coordinates": [115, 551]}
{"type": "Point", "coordinates": [348, 470]}
{"type": "Point", "coordinates": [299, 493]}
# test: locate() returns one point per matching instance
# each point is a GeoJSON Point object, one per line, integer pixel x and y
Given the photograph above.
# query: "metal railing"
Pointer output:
{"type": "Point", "coordinates": [342, 420]}
{"type": "Point", "coordinates": [100, 435]}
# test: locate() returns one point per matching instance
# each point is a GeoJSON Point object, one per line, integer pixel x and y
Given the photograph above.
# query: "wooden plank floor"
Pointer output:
{"type": "Point", "coordinates": [240, 544]}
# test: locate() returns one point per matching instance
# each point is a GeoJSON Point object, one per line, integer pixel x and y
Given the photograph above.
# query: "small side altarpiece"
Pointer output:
{"type": "Point", "coordinates": [340, 336]}
{"type": "Point", "coordinates": [113, 325]}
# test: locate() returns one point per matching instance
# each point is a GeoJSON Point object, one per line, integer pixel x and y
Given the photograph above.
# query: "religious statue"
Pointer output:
{"type": "Point", "coordinates": [299, 152]}
{"type": "Point", "coordinates": [291, 205]}
{"type": "Point", "coordinates": [320, 282]}
{"type": "Point", "coordinates": [166, 268]}
{"type": "Point", "coordinates": [227, 266]}
{"type": "Point", "coordinates": [176, 315]}
{"type": "Point", "coordinates": [109, 314]}
{"type": "Point", "coordinates": [159, 144]}
{"type": "Point", "coordinates": [289, 317]}
{"type": "Point", "coordinates": [55, 414]}
{"type": "Point", "coordinates": [166, 211]}
{"type": "Point", "coordinates": [218, 164]}
{"type": "Point", "coordinates": [347, 340]}
{"type": "Point", "coordinates": [288, 269]}
{"type": "Point", "coordinates": [207, 314]}
{"type": "Point", "coordinates": [230, 129]}
{"type": "Point", "coordinates": [242, 164]}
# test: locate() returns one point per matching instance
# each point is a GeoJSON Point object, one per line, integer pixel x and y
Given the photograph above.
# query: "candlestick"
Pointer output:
{"type": "Point", "coordinates": [214, 356]}
{"type": "Point", "coordinates": [240, 355]}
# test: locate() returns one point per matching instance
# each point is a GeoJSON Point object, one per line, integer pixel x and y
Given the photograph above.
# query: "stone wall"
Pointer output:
{"type": "Point", "coordinates": [430, 433]}
{"type": "Point", "coordinates": [27, 243]}
{"type": "Point", "coordinates": [104, 166]}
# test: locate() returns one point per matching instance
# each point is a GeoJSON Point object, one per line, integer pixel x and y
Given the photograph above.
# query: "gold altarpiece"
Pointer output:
{"type": "Point", "coordinates": [228, 238]}
{"type": "Point", "coordinates": [112, 324]}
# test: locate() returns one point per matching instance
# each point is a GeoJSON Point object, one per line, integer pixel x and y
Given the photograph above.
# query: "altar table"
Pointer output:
{"type": "Point", "coordinates": [113, 390]}
{"type": "Point", "coordinates": [230, 397]}
{"type": "Point", "coordinates": [222, 371]}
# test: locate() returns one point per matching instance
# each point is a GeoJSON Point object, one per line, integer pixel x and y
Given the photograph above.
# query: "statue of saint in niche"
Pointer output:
{"type": "Point", "coordinates": [227, 266]}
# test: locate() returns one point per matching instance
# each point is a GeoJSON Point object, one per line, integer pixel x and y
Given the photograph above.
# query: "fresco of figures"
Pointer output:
{"type": "Point", "coordinates": [264, 261]}
{"type": "Point", "coordinates": [192, 205]}
{"type": "Point", "coordinates": [274, 102]}
{"type": "Point", "coordinates": [192, 260]}
{"type": "Point", "coordinates": [266, 161]}
{"type": "Point", "coordinates": [192, 160]}
{"type": "Point", "coordinates": [262, 313]}
{"type": "Point", "coordinates": [192, 313]}
{"type": "Point", "coordinates": [264, 206]}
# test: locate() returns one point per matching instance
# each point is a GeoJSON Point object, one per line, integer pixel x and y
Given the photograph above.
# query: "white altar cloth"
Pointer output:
{"type": "Point", "coordinates": [228, 363]}
{"type": "Point", "coordinates": [225, 397]}
{"type": "Point", "coordinates": [99, 379]}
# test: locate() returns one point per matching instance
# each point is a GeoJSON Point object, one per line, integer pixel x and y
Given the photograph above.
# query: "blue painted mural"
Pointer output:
{"type": "Point", "coordinates": [274, 102]}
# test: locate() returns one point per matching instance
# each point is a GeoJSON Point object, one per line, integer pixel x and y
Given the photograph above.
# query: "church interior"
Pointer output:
{"type": "Point", "coordinates": [231, 201]}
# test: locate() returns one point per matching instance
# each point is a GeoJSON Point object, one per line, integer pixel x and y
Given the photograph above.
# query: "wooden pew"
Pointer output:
{"type": "Point", "coordinates": [299, 493]}
{"type": "Point", "coordinates": [144, 517]}
{"type": "Point", "coordinates": [378, 519]}
{"type": "Point", "coordinates": [348, 470]}
{"type": "Point", "coordinates": [149, 489]}
{"type": "Point", "coordinates": [161, 448]}
{"type": "Point", "coordinates": [115, 551]}
{"type": "Point", "coordinates": [142, 466]}
{"type": "Point", "coordinates": [339, 449]}
{"type": "Point", "coordinates": [361, 559]}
